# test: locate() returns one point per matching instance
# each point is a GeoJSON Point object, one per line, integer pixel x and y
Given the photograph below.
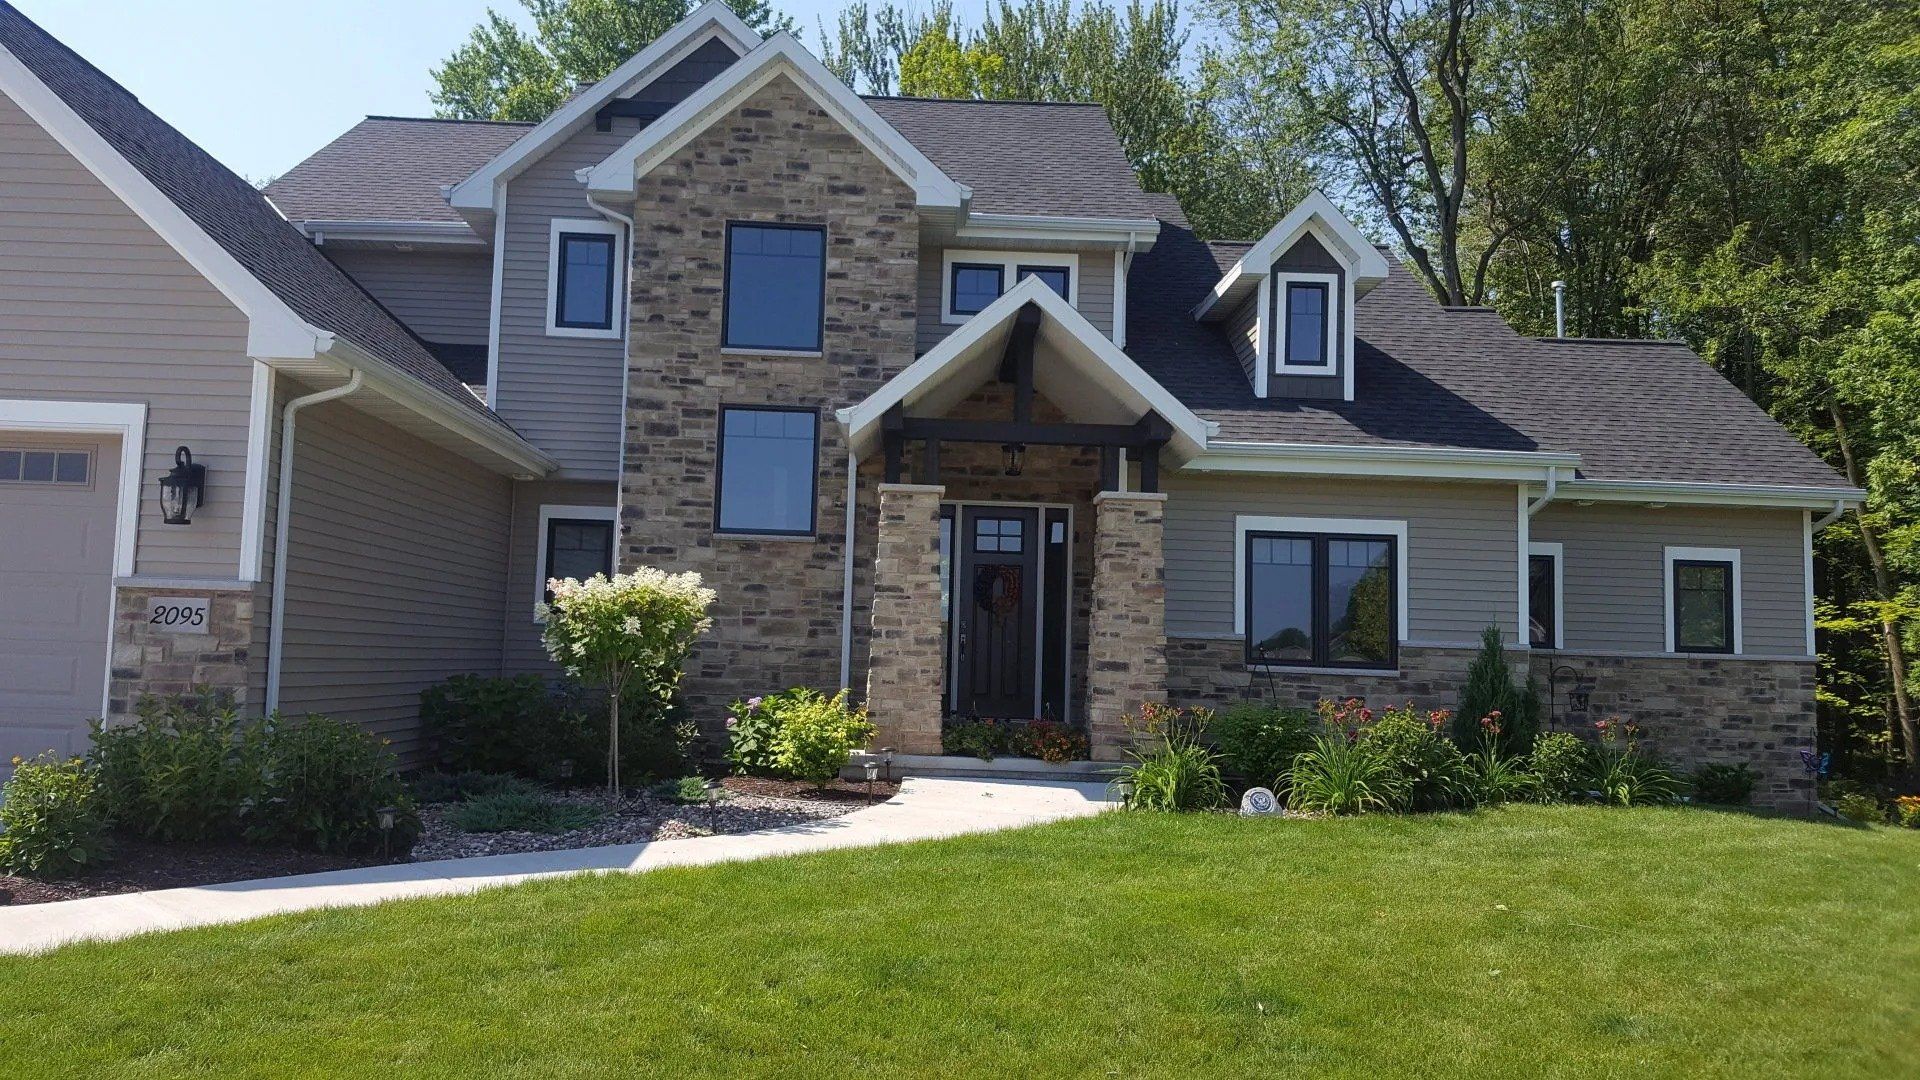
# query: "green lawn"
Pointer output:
{"type": "Point", "coordinates": [1522, 942]}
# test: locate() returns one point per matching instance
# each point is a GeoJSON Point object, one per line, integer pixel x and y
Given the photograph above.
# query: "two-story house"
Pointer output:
{"type": "Point", "coordinates": [944, 406]}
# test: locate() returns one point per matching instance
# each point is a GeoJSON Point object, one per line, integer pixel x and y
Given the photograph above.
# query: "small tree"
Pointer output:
{"type": "Point", "coordinates": [1490, 691]}
{"type": "Point", "coordinates": [629, 630]}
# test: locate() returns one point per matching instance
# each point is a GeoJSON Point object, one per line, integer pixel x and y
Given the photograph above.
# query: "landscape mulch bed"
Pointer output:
{"type": "Point", "coordinates": [750, 804]}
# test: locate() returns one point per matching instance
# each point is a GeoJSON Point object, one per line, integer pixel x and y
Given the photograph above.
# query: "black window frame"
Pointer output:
{"type": "Point", "coordinates": [726, 290]}
{"type": "Point", "coordinates": [546, 571]}
{"type": "Point", "coordinates": [1320, 617]}
{"type": "Point", "coordinates": [1726, 591]}
{"type": "Point", "coordinates": [953, 285]}
{"type": "Point", "coordinates": [1552, 599]}
{"type": "Point", "coordinates": [720, 472]}
{"type": "Point", "coordinates": [1283, 350]}
{"type": "Point", "coordinates": [561, 242]}
{"type": "Point", "coordinates": [1023, 270]}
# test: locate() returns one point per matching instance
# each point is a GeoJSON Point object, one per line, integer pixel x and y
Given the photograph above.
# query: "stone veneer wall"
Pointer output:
{"type": "Point", "coordinates": [1695, 711]}
{"type": "Point", "coordinates": [905, 675]}
{"type": "Point", "coordinates": [1213, 672]}
{"type": "Point", "coordinates": [777, 158]}
{"type": "Point", "coordinates": [147, 660]}
{"type": "Point", "coordinates": [1127, 636]}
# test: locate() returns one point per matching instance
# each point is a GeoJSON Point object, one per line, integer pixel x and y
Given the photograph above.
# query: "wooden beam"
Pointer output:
{"type": "Point", "coordinates": [1109, 468]}
{"type": "Point", "coordinates": [891, 445]}
{"type": "Point", "coordinates": [1016, 364]}
{"type": "Point", "coordinates": [930, 462]}
{"type": "Point", "coordinates": [1150, 467]}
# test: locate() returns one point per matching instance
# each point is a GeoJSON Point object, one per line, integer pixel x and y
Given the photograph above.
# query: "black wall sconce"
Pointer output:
{"type": "Point", "coordinates": [1016, 457]}
{"type": "Point", "coordinates": [182, 490]}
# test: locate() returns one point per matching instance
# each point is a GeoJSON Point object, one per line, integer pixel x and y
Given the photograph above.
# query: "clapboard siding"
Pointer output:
{"type": "Point", "coordinates": [1095, 290]}
{"type": "Point", "coordinates": [563, 393]}
{"type": "Point", "coordinates": [524, 652]}
{"type": "Point", "coordinates": [95, 306]}
{"type": "Point", "coordinates": [1462, 540]}
{"type": "Point", "coordinates": [442, 297]}
{"type": "Point", "coordinates": [396, 571]}
{"type": "Point", "coordinates": [1616, 565]}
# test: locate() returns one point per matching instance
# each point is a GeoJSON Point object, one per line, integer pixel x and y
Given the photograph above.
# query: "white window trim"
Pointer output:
{"type": "Point", "coordinates": [550, 511]}
{"type": "Point", "coordinates": [1009, 263]}
{"type": "Point", "coordinates": [1246, 523]}
{"type": "Point", "coordinates": [1329, 365]}
{"type": "Point", "coordinates": [600, 227]}
{"type": "Point", "coordinates": [1704, 554]}
{"type": "Point", "coordinates": [1558, 551]}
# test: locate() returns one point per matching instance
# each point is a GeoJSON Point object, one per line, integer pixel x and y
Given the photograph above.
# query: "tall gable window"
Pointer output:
{"type": "Point", "coordinates": [1703, 600]}
{"type": "Point", "coordinates": [776, 287]}
{"type": "Point", "coordinates": [1305, 316]}
{"type": "Point", "coordinates": [583, 278]}
{"type": "Point", "coordinates": [1306, 324]}
{"type": "Point", "coordinates": [1325, 599]}
{"type": "Point", "coordinates": [768, 471]}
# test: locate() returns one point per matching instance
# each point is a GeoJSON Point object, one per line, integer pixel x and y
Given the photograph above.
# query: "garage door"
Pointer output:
{"type": "Point", "coordinates": [56, 586]}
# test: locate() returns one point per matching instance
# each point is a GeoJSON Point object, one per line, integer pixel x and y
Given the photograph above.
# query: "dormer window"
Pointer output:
{"type": "Point", "coordinates": [974, 279]}
{"type": "Point", "coordinates": [1306, 322]}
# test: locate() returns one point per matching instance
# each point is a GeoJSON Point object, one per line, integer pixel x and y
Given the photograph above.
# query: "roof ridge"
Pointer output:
{"type": "Point", "coordinates": [981, 101]}
{"type": "Point", "coordinates": [449, 120]}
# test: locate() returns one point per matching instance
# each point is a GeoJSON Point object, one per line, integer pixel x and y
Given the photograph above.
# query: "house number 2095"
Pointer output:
{"type": "Point", "coordinates": [178, 614]}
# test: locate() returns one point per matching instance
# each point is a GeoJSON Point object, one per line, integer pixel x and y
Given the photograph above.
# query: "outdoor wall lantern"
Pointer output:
{"type": "Point", "coordinates": [182, 490]}
{"type": "Point", "coordinates": [1016, 457]}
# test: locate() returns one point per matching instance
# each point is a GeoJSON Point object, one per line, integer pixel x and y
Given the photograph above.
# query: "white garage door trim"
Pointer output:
{"type": "Point", "coordinates": [128, 421]}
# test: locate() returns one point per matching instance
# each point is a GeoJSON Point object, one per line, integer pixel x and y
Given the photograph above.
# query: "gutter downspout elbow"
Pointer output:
{"type": "Point", "coordinates": [1833, 515]}
{"type": "Point", "coordinates": [1553, 487]}
{"type": "Point", "coordinates": [283, 511]}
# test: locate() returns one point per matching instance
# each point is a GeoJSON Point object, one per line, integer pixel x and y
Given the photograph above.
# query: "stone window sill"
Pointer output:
{"type": "Point", "coordinates": [1289, 669]}
{"type": "Point", "coordinates": [802, 353]}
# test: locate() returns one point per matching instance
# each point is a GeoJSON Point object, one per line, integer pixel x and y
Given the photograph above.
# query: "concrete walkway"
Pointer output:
{"type": "Point", "coordinates": [923, 810]}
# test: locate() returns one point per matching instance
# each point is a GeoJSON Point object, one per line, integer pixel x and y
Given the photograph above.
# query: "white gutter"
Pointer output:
{"type": "Point", "coordinates": [1709, 494]}
{"type": "Point", "coordinates": [846, 578]}
{"type": "Point", "coordinates": [626, 359]}
{"type": "Point", "coordinates": [1438, 463]}
{"type": "Point", "coordinates": [436, 233]}
{"type": "Point", "coordinates": [276, 633]}
{"type": "Point", "coordinates": [983, 226]}
{"type": "Point", "coordinates": [1553, 485]}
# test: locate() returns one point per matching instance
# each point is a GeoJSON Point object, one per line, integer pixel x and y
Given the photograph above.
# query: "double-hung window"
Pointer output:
{"type": "Point", "coordinates": [1703, 600]}
{"type": "Point", "coordinates": [768, 471]}
{"type": "Point", "coordinates": [776, 287]}
{"type": "Point", "coordinates": [583, 278]}
{"type": "Point", "coordinates": [1321, 599]}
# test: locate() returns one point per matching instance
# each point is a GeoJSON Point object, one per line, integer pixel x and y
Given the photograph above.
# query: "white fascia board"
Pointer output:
{"type": "Point", "coordinates": [1031, 291]}
{"type": "Point", "coordinates": [1790, 497]}
{"type": "Point", "coordinates": [778, 55]}
{"type": "Point", "coordinates": [713, 19]}
{"type": "Point", "coordinates": [436, 233]}
{"type": "Point", "coordinates": [1435, 463]}
{"type": "Point", "coordinates": [1024, 228]}
{"type": "Point", "coordinates": [1316, 214]}
{"type": "Point", "coordinates": [273, 329]}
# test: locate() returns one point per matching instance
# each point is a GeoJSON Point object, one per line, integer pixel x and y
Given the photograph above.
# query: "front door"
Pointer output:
{"type": "Point", "coordinates": [997, 598]}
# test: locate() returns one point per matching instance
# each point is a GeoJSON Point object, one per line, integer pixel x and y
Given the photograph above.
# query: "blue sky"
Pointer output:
{"type": "Point", "coordinates": [263, 83]}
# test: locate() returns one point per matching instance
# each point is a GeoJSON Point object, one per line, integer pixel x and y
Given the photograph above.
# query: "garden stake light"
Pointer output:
{"type": "Point", "coordinates": [713, 805]}
{"type": "Point", "coordinates": [873, 773]}
{"type": "Point", "coordinates": [886, 755]}
{"type": "Point", "coordinates": [385, 818]}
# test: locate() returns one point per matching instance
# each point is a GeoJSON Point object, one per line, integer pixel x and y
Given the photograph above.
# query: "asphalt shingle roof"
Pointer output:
{"type": "Point", "coordinates": [390, 168]}
{"type": "Point", "coordinates": [1429, 376]}
{"type": "Point", "coordinates": [227, 208]}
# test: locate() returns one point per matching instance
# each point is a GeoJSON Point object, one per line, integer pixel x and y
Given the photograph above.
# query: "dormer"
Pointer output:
{"type": "Point", "coordinates": [1288, 302]}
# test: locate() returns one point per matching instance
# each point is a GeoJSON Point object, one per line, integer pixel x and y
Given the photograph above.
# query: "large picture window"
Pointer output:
{"type": "Point", "coordinates": [768, 471]}
{"type": "Point", "coordinates": [1321, 599]}
{"type": "Point", "coordinates": [776, 287]}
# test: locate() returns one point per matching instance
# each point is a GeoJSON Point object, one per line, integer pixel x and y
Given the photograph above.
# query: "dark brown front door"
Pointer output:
{"type": "Point", "coordinates": [997, 598]}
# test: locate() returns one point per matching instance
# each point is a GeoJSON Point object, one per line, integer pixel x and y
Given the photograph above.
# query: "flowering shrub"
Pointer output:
{"type": "Point", "coordinates": [1906, 811]}
{"type": "Point", "coordinates": [1496, 777]}
{"type": "Point", "coordinates": [1171, 769]}
{"type": "Point", "coordinates": [818, 734]}
{"type": "Point", "coordinates": [1341, 775]}
{"type": "Point", "coordinates": [1050, 741]}
{"type": "Point", "coordinates": [1623, 773]}
{"type": "Point", "coordinates": [626, 631]}
{"type": "Point", "coordinates": [752, 728]}
{"type": "Point", "coordinates": [52, 823]}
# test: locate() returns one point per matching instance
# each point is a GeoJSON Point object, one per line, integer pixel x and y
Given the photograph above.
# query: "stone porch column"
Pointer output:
{"type": "Point", "coordinates": [905, 669]}
{"type": "Point", "coordinates": [1127, 636]}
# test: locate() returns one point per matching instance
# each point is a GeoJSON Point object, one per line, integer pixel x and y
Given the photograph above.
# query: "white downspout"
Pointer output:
{"type": "Point", "coordinates": [282, 526]}
{"type": "Point", "coordinates": [626, 360]}
{"type": "Point", "coordinates": [1553, 485]}
{"type": "Point", "coordinates": [846, 577]}
{"type": "Point", "coordinates": [1832, 516]}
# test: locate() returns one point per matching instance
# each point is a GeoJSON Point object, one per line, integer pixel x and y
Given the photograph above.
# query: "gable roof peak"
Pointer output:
{"type": "Point", "coordinates": [1315, 215]}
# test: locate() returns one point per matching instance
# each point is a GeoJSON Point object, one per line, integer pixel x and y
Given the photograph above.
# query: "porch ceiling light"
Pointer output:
{"type": "Point", "coordinates": [182, 490]}
{"type": "Point", "coordinates": [1016, 457]}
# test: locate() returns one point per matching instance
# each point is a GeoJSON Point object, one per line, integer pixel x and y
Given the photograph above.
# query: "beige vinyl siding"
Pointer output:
{"type": "Point", "coordinates": [1094, 290]}
{"type": "Point", "coordinates": [439, 295]}
{"type": "Point", "coordinates": [1615, 588]}
{"type": "Point", "coordinates": [563, 393]}
{"type": "Point", "coordinates": [95, 306]}
{"type": "Point", "coordinates": [397, 568]}
{"type": "Point", "coordinates": [1462, 541]}
{"type": "Point", "coordinates": [524, 652]}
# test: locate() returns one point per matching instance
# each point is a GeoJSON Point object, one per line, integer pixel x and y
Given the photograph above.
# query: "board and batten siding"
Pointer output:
{"type": "Point", "coordinates": [524, 652]}
{"type": "Point", "coordinates": [1615, 572]}
{"type": "Point", "coordinates": [1462, 548]}
{"type": "Point", "coordinates": [1094, 290]}
{"type": "Point", "coordinates": [396, 570]}
{"type": "Point", "coordinates": [563, 393]}
{"type": "Point", "coordinates": [96, 306]}
{"type": "Point", "coordinates": [441, 296]}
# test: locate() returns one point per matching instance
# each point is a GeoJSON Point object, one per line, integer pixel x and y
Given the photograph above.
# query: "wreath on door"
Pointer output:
{"type": "Point", "coordinates": [997, 589]}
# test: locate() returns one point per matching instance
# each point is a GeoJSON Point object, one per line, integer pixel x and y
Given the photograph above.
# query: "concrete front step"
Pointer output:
{"type": "Point", "coordinates": [972, 768]}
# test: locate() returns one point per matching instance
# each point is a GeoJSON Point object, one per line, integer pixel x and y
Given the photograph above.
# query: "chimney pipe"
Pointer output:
{"type": "Point", "coordinates": [1559, 309]}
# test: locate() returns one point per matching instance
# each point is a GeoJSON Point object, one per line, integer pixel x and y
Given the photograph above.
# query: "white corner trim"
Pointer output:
{"type": "Point", "coordinates": [1559, 554]}
{"type": "Point", "coordinates": [563, 511]}
{"type": "Point", "coordinates": [253, 510]}
{"type": "Point", "coordinates": [596, 227]}
{"type": "Point", "coordinates": [1336, 318]}
{"type": "Point", "coordinates": [273, 330]}
{"type": "Point", "coordinates": [1704, 554]}
{"type": "Point", "coordinates": [1246, 523]}
{"type": "Point", "coordinates": [776, 56]}
{"type": "Point", "coordinates": [711, 20]}
{"type": "Point", "coordinates": [126, 420]}
{"type": "Point", "coordinates": [1009, 263]}
{"type": "Point", "coordinates": [1806, 571]}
